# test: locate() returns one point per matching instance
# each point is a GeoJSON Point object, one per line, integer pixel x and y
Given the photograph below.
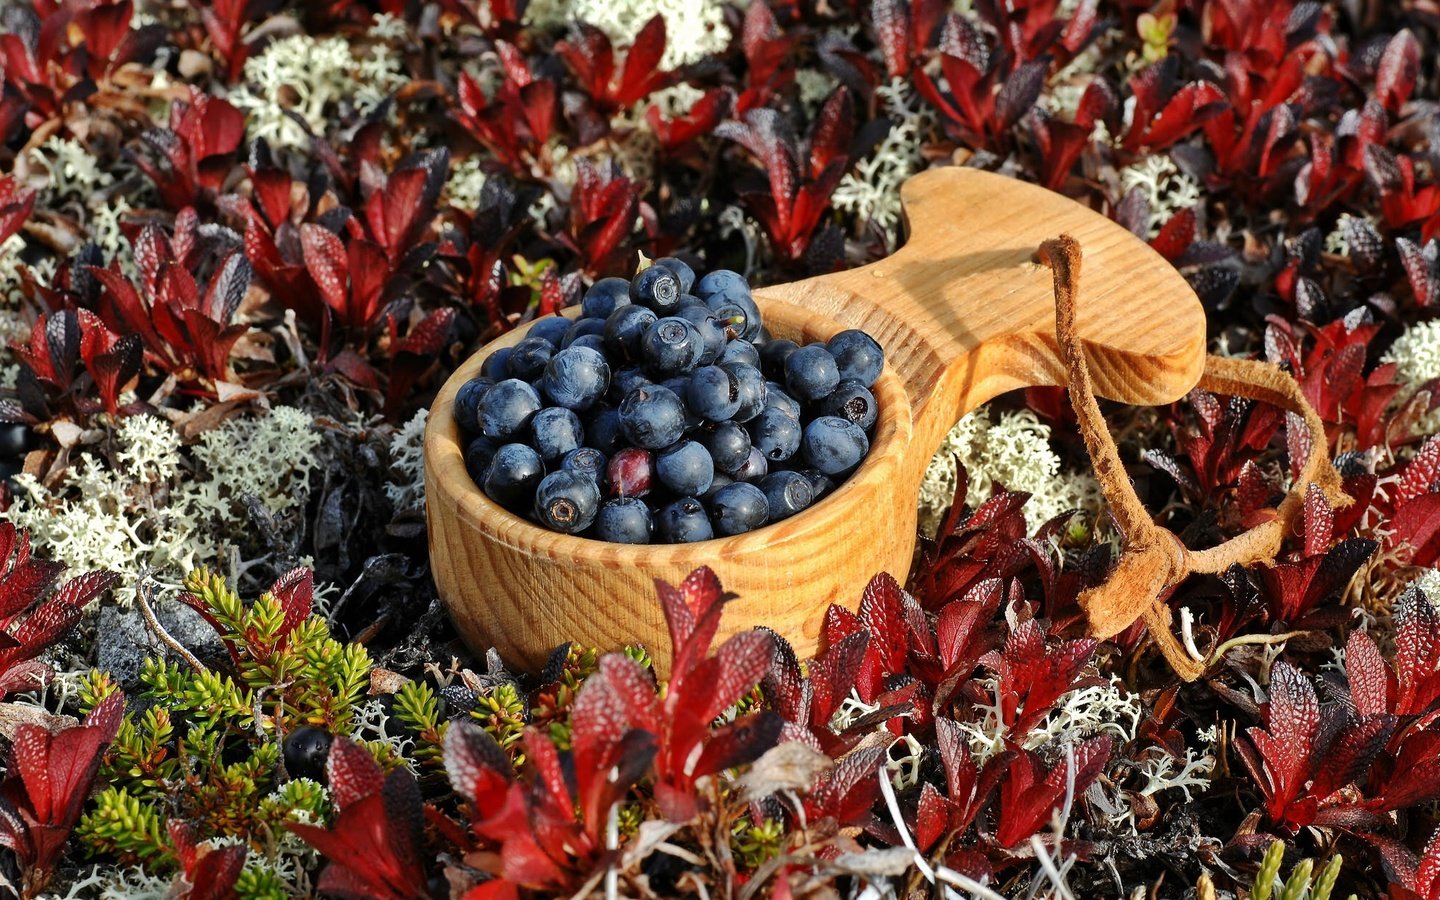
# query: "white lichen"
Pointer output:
{"type": "Point", "coordinates": [1165, 187]}
{"type": "Point", "coordinates": [1428, 581]}
{"type": "Point", "coordinates": [406, 488]}
{"type": "Point", "coordinates": [694, 29]}
{"type": "Point", "coordinates": [162, 508]}
{"type": "Point", "coordinates": [370, 722]}
{"type": "Point", "coordinates": [1416, 355]}
{"type": "Point", "coordinates": [308, 76]}
{"type": "Point", "coordinates": [871, 189]}
{"type": "Point", "coordinates": [1012, 451]}
{"type": "Point", "coordinates": [72, 170]}
{"type": "Point", "coordinates": [466, 182]}
{"type": "Point", "coordinates": [1079, 714]}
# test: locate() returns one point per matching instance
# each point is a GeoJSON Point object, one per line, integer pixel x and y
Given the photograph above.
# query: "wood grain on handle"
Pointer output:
{"type": "Point", "coordinates": [963, 315]}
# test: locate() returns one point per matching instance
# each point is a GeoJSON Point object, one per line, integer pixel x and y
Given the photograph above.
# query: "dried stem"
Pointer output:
{"type": "Point", "coordinates": [143, 595]}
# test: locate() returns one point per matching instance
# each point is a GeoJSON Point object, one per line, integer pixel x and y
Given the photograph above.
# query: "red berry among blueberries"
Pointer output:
{"type": "Point", "coordinates": [650, 417]}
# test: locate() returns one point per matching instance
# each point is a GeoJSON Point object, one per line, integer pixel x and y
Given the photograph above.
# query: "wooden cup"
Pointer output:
{"type": "Point", "coordinates": [964, 314]}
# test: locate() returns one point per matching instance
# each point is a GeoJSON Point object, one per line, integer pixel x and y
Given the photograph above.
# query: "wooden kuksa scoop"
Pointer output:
{"type": "Point", "coordinates": [964, 313]}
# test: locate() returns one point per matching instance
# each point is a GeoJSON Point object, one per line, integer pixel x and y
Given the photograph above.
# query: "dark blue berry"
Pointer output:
{"type": "Point", "coordinates": [776, 434]}
{"type": "Point", "coordinates": [587, 461]}
{"type": "Point", "coordinates": [672, 345]}
{"type": "Point", "coordinates": [478, 454]}
{"type": "Point", "coordinates": [624, 521]}
{"type": "Point", "coordinates": [306, 751]}
{"type": "Point", "coordinates": [719, 481]}
{"type": "Point", "coordinates": [853, 401]}
{"type": "Point", "coordinates": [858, 356]}
{"type": "Point", "coordinates": [787, 493]}
{"type": "Point", "coordinates": [699, 315]}
{"type": "Point", "coordinates": [626, 380]}
{"type": "Point", "coordinates": [603, 430]}
{"type": "Point", "coordinates": [684, 522]}
{"type": "Point", "coordinates": [652, 417]}
{"type": "Point", "coordinates": [713, 394]}
{"type": "Point", "coordinates": [658, 288]}
{"type": "Point", "coordinates": [506, 408]}
{"type": "Point", "coordinates": [550, 329]}
{"type": "Point", "coordinates": [739, 351]}
{"type": "Point", "coordinates": [513, 475]}
{"type": "Point", "coordinates": [820, 482]}
{"type": "Point", "coordinates": [528, 361]}
{"type": "Point", "coordinates": [776, 398]}
{"type": "Point", "coordinates": [750, 386]}
{"type": "Point", "coordinates": [467, 403]}
{"type": "Point", "coordinates": [554, 432]}
{"type": "Point", "coordinates": [623, 331]}
{"type": "Point", "coordinates": [729, 446]}
{"type": "Point", "coordinates": [721, 281]}
{"type": "Point", "coordinates": [583, 328]}
{"type": "Point", "coordinates": [740, 314]}
{"type": "Point", "coordinates": [738, 508]}
{"type": "Point", "coordinates": [754, 468]}
{"type": "Point", "coordinates": [685, 468]}
{"type": "Point", "coordinates": [681, 269]}
{"type": "Point", "coordinates": [590, 341]}
{"type": "Point", "coordinates": [834, 445]}
{"type": "Point", "coordinates": [773, 356]}
{"type": "Point", "coordinates": [497, 365]}
{"type": "Point", "coordinates": [576, 377]}
{"type": "Point", "coordinates": [810, 373]}
{"type": "Point", "coordinates": [603, 297]}
{"type": "Point", "coordinates": [567, 501]}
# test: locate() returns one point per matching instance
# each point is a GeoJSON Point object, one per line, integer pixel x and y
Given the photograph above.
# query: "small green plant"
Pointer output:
{"type": "Point", "coordinates": [1299, 885]}
{"type": "Point", "coordinates": [209, 750]}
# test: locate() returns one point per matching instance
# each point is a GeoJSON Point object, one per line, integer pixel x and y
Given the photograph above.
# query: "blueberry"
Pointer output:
{"type": "Point", "coordinates": [513, 474]}
{"type": "Point", "coordinates": [576, 377]}
{"type": "Point", "coordinates": [652, 417]}
{"type": "Point", "coordinates": [478, 454]}
{"type": "Point", "coordinates": [739, 351]}
{"type": "Point", "coordinates": [851, 401]}
{"type": "Point", "coordinates": [631, 472]}
{"type": "Point", "coordinates": [713, 394]}
{"type": "Point", "coordinates": [624, 521]}
{"type": "Point", "coordinates": [776, 398]}
{"type": "Point", "coordinates": [681, 269]}
{"type": "Point", "coordinates": [550, 329]}
{"type": "Point", "coordinates": [626, 380]}
{"type": "Point", "coordinates": [858, 356]}
{"type": "Point", "coordinates": [603, 297]}
{"type": "Point", "coordinates": [624, 329]}
{"type": "Point", "coordinates": [750, 385]}
{"type": "Point", "coordinates": [684, 522]}
{"type": "Point", "coordinates": [739, 508]}
{"type": "Point", "coordinates": [738, 313]}
{"type": "Point", "coordinates": [787, 493]}
{"type": "Point", "coordinates": [554, 432]}
{"type": "Point", "coordinates": [528, 361]}
{"type": "Point", "coordinates": [754, 468]}
{"type": "Point", "coordinates": [772, 358]}
{"type": "Point", "coordinates": [810, 373]}
{"type": "Point", "coordinates": [306, 751]}
{"type": "Point", "coordinates": [719, 481]}
{"type": "Point", "coordinates": [721, 281]}
{"type": "Point", "coordinates": [587, 461]}
{"type": "Point", "coordinates": [713, 336]}
{"type": "Point", "coordinates": [589, 341]}
{"type": "Point", "coordinates": [776, 434]}
{"type": "Point", "coordinates": [834, 445]}
{"type": "Point", "coordinates": [820, 482]}
{"type": "Point", "coordinates": [729, 446]}
{"type": "Point", "coordinates": [602, 428]}
{"type": "Point", "coordinates": [467, 403]}
{"type": "Point", "coordinates": [658, 288]}
{"type": "Point", "coordinates": [506, 408]}
{"type": "Point", "coordinates": [680, 385]}
{"type": "Point", "coordinates": [567, 501]}
{"type": "Point", "coordinates": [583, 328]}
{"type": "Point", "coordinates": [671, 345]}
{"type": "Point", "coordinates": [497, 365]}
{"type": "Point", "coordinates": [685, 468]}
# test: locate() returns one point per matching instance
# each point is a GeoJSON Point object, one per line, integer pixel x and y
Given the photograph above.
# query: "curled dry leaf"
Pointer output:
{"type": "Point", "coordinates": [791, 766]}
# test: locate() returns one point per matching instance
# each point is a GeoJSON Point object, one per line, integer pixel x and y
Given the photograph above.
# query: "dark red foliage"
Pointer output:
{"type": "Point", "coordinates": [206, 873]}
{"type": "Point", "coordinates": [678, 133]}
{"type": "Point", "coordinates": [185, 332]}
{"type": "Point", "coordinates": [1030, 791]}
{"type": "Point", "coordinates": [15, 206]}
{"type": "Point", "coordinates": [1031, 673]}
{"type": "Point", "coordinates": [604, 207]}
{"type": "Point", "coordinates": [224, 20]}
{"type": "Point", "coordinates": [296, 592]}
{"type": "Point", "coordinates": [189, 161]}
{"type": "Point", "coordinates": [375, 846]}
{"type": "Point", "coordinates": [30, 621]}
{"type": "Point", "coordinates": [767, 48]}
{"type": "Point", "coordinates": [1304, 589]}
{"type": "Point", "coordinates": [592, 59]}
{"type": "Point", "coordinates": [800, 175]}
{"type": "Point", "coordinates": [516, 122]}
{"type": "Point", "coordinates": [51, 380]}
{"type": "Point", "coordinates": [48, 778]}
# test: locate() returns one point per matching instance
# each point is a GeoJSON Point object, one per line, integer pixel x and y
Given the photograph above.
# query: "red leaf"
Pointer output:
{"type": "Point", "coordinates": [1398, 69]}
{"type": "Point", "coordinates": [295, 590]}
{"type": "Point", "coordinates": [325, 258]}
{"type": "Point", "coordinates": [353, 773]}
{"type": "Point", "coordinates": [1371, 682]}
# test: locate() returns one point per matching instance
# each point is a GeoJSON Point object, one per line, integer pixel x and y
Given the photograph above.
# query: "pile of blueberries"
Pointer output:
{"type": "Point", "coordinates": [666, 413]}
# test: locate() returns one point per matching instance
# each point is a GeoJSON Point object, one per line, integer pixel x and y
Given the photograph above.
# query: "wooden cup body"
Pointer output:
{"type": "Point", "coordinates": [522, 589]}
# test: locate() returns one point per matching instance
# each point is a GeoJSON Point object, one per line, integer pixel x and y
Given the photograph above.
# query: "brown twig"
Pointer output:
{"type": "Point", "coordinates": [143, 596]}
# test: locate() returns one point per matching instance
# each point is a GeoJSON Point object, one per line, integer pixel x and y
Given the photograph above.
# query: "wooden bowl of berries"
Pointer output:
{"type": "Point", "coordinates": [675, 421]}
